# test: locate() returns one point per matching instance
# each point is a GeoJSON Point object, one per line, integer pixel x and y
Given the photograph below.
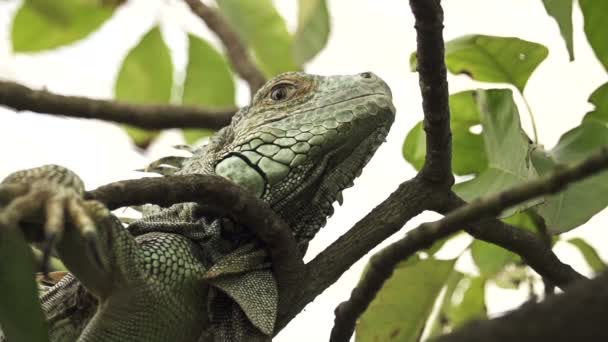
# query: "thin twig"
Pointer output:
{"type": "Point", "coordinates": [241, 206]}
{"type": "Point", "coordinates": [20, 97]}
{"type": "Point", "coordinates": [529, 246]}
{"type": "Point", "coordinates": [541, 226]}
{"type": "Point", "coordinates": [236, 51]}
{"type": "Point", "coordinates": [382, 264]}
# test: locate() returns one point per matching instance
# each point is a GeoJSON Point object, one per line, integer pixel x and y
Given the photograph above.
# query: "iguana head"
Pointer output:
{"type": "Point", "coordinates": [302, 140]}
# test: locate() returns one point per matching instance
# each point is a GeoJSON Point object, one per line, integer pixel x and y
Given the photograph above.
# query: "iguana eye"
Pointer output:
{"type": "Point", "coordinates": [282, 92]}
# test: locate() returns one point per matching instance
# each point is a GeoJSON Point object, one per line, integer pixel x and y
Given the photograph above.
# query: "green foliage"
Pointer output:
{"type": "Point", "coordinates": [489, 258]}
{"type": "Point", "coordinates": [400, 310]}
{"type": "Point", "coordinates": [596, 29]}
{"type": "Point", "coordinates": [414, 146]}
{"type": "Point", "coordinates": [493, 59]}
{"type": "Point", "coordinates": [599, 98]}
{"type": "Point", "coordinates": [505, 161]}
{"type": "Point", "coordinates": [471, 306]}
{"type": "Point", "coordinates": [441, 323]}
{"type": "Point", "coordinates": [468, 148]}
{"type": "Point", "coordinates": [589, 253]}
{"type": "Point", "coordinates": [209, 82]}
{"type": "Point", "coordinates": [264, 30]}
{"type": "Point", "coordinates": [464, 300]}
{"type": "Point", "coordinates": [580, 201]}
{"type": "Point", "coordinates": [561, 11]}
{"type": "Point", "coordinates": [20, 313]}
{"type": "Point", "coordinates": [313, 29]}
{"type": "Point", "coordinates": [507, 148]}
{"type": "Point", "coordinates": [42, 24]}
{"type": "Point", "coordinates": [146, 76]}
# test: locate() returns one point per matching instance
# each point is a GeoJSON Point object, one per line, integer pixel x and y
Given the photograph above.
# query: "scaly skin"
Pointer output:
{"type": "Point", "coordinates": [175, 275]}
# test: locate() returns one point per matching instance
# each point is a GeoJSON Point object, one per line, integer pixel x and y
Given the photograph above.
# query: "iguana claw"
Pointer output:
{"type": "Point", "coordinates": [53, 207]}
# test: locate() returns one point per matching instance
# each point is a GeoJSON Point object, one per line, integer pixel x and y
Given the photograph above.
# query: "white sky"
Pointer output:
{"type": "Point", "coordinates": [366, 35]}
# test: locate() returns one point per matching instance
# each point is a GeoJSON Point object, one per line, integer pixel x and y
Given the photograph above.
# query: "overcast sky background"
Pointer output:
{"type": "Point", "coordinates": [366, 35]}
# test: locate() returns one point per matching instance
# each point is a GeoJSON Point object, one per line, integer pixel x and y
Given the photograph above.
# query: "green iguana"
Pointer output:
{"type": "Point", "coordinates": [175, 275]}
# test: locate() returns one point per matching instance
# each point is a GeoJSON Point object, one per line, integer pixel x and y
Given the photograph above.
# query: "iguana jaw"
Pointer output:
{"type": "Point", "coordinates": [311, 204]}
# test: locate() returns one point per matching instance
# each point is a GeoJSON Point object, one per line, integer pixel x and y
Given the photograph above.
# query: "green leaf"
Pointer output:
{"type": "Point", "coordinates": [507, 148]}
{"type": "Point", "coordinates": [441, 323]}
{"type": "Point", "coordinates": [21, 317]}
{"type": "Point", "coordinates": [467, 301]}
{"type": "Point", "coordinates": [467, 148]}
{"type": "Point", "coordinates": [413, 62]}
{"type": "Point", "coordinates": [561, 11]}
{"type": "Point", "coordinates": [489, 258]}
{"type": "Point", "coordinates": [313, 29]}
{"type": "Point", "coordinates": [494, 59]}
{"type": "Point", "coordinates": [596, 29]}
{"type": "Point", "coordinates": [42, 24]}
{"type": "Point", "coordinates": [414, 146]}
{"type": "Point", "coordinates": [599, 98]}
{"type": "Point", "coordinates": [209, 82]}
{"type": "Point", "coordinates": [261, 26]}
{"type": "Point", "coordinates": [589, 253]}
{"type": "Point", "coordinates": [580, 201]}
{"type": "Point", "coordinates": [146, 76]}
{"type": "Point", "coordinates": [400, 310]}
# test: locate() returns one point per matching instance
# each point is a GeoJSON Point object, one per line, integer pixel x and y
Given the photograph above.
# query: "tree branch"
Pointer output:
{"type": "Point", "coordinates": [241, 206]}
{"type": "Point", "coordinates": [577, 315]}
{"type": "Point", "coordinates": [235, 49]}
{"type": "Point", "coordinates": [434, 87]}
{"type": "Point", "coordinates": [409, 200]}
{"type": "Point", "coordinates": [382, 264]}
{"type": "Point", "coordinates": [20, 98]}
{"type": "Point", "coordinates": [536, 253]}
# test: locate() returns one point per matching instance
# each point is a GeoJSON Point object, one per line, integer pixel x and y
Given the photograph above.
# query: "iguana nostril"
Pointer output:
{"type": "Point", "coordinates": [366, 74]}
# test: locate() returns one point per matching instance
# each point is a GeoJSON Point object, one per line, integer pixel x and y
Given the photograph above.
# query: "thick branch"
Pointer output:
{"type": "Point", "coordinates": [434, 87]}
{"type": "Point", "coordinates": [235, 49]}
{"type": "Point", "coordinates": [20, 97]}
{"type": "Point", "coordinates": [241, 206]}
{"type": "Point", "coordinates": [383, 263]}
{"type": "Point", "coordinates": [409, 200]}
{"type": "Point", "coordinates": [577, 315]}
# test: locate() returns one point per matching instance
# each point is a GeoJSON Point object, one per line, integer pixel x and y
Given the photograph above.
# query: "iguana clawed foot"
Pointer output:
{"type": "Point", "coordinates": [46, 202]}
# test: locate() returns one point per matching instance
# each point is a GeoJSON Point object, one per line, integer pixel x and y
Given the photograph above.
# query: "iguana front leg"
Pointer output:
{"type": "Point", "coordinates": [47, 201]}
{"type": "Point", "coordinates": [148, 290]}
